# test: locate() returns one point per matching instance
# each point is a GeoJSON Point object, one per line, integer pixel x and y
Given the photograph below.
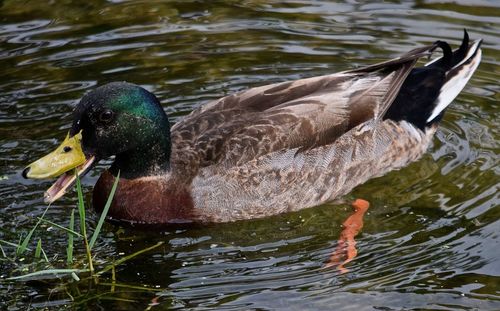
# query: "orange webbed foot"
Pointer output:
{"type": "Point", "coordinates": [346, 250]}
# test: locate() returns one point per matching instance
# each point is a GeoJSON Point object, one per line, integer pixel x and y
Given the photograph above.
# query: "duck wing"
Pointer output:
{"type": "Point", "coordinates": [301, 114]}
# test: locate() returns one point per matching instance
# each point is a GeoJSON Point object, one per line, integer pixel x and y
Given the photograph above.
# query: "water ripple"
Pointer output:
{"type": "Point", "coordinates": [430, 239]}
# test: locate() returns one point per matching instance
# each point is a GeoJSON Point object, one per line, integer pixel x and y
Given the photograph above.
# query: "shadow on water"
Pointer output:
{"type": "Point", "coordinates": [430, 238]}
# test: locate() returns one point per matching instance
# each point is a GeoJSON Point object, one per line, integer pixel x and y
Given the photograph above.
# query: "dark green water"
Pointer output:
{"type": "Point", "coordinates": [431, 239]}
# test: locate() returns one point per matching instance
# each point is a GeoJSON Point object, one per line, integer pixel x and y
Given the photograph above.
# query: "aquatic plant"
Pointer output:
{"type": "Point", "coordinates": [22, 247]}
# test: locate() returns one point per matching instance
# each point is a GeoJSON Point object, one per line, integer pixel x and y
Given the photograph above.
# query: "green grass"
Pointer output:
{"type": "Point", "coordinates": [70, 230]}
{"type": "Point", "coordinates": [22, 246]}
{"type": "Point", "coordinates": [69, 248]}
{"type": "Point", "coordinates": [83, 226]}
{"type": "Point", "coordinates": [78, 270]}
{"type": "Point", "coordinates": [50, 272]}
{"type": "Point", "coordinates": [38, 250]}
{"type": "Point", "coordinates": [104, 211]}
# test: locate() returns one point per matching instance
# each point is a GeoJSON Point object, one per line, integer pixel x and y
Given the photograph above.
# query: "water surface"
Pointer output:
{"type": "Point", "coordinates": [431, 237]}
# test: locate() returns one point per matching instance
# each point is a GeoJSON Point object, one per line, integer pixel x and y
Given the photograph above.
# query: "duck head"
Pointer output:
{"type": "Point", "coordinates": [118, 119]}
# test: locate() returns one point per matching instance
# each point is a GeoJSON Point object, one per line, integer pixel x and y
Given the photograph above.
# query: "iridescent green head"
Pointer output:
{"type": "Point", "coordinates": [124, 120]}
{"type": "Point", "coordinates": [119, 119]}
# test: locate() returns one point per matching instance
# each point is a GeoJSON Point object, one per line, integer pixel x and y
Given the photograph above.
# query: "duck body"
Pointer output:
{"type": "Point", "coordinates": [208, 183]}
{"type": "Point", "coordinates": [271, 149]}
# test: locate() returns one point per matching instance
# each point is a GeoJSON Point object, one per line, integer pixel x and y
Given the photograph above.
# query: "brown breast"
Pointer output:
{"type": "Point", "coordinates": [149, 200]}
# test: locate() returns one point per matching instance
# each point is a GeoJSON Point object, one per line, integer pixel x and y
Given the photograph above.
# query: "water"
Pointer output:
{"type": "Point", "coordinates": [430, 239]}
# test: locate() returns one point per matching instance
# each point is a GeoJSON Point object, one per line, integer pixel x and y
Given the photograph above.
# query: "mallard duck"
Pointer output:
{"type": "Point", "coordinates": [267, 150]}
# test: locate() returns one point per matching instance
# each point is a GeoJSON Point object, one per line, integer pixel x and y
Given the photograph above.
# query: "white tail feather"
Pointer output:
{"type": "Point", "coordinates": [454, 86]}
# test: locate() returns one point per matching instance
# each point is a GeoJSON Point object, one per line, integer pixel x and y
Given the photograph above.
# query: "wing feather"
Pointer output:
{"type": "Point", "coordinates": [303, 114]}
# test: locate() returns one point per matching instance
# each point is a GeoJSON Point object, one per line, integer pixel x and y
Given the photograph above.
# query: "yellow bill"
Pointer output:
{"type": "Point", "coordinates": [68, 156]}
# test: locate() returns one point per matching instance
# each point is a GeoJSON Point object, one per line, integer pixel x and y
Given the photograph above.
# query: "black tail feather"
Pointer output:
{"type": "Point", "coordinates": [451, 59]}
{"type": "Point", "coordinates": [447, 59]}
{"type": "Point", "coordinates": [460, 54]}
{"type": "Point", "coordinates": [416, 99]}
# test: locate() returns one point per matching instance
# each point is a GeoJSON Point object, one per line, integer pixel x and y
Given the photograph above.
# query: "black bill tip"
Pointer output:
{"type": "Point", "coordinates": [25, 172]}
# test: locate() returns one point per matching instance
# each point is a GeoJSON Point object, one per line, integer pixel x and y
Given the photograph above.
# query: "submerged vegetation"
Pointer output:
{"type": "Point", "coordinates": [34, 264]}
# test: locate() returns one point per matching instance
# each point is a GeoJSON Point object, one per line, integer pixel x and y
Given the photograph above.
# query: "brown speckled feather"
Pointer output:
{"type": "Point", "coordinates": [291, 145]}
{"type": "Point", "coordinates": [302, 114]}
{"type": "Point", "coordinates": [286, 146]}
{"type": "Point", "coordinates": [285, 180]}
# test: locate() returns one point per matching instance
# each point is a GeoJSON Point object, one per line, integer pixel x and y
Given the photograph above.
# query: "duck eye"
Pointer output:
{"type": "Point", "coordinates": [106, 115]}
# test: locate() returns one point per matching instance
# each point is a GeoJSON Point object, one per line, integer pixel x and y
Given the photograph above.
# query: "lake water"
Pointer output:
{"type": "Point", "coordinates": [431, 238]}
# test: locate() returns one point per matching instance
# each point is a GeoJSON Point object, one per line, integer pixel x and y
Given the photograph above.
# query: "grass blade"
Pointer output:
{"type": "Point", "coordinates": [24, 244]}
{"type": "Point", "coordinates": [44, 255]}
{"type": "Point", "coordinates": [122, 260]}
{"type": "Point", "coordinates": [38, 249]}
{"type": "Point", "coordinates": [81, 206]}
{"type": "Point", "coordinates": [132, 287]}
{"type": "Point", "coordinates": [54, 272]}
{"type": "Point", "coordinates": [69, 249]}
{"type": "Point", "coordinates": [104, 211]}
{"type": "Point", "coordinates": [75, 277]}
{"type": "Point", "coordinates": [83, 229]}
{"type": "Point", "coordinates": [70, 231]}
{"type": "Point", "coordinates": [11, 244]}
